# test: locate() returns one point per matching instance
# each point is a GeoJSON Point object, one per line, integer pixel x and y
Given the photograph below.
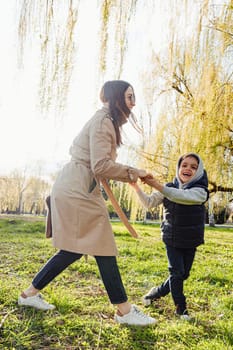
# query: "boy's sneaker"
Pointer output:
{"type": "Point", "coordinates": [135, 318]}
{"type": "Point", "coordinates": [35, 301]}
{"type": "Point", "coordinates": [151, 296]}
{"type": "Point", "coordinates": [183, 314]}
{"type": "Point", "coordinates": [185, 317]}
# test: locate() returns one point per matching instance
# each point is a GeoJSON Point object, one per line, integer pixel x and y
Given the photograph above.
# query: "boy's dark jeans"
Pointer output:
{"type": "Point", "coordinates": [107, 266]}
{"type": "Point", "coordinates": [180, 263]}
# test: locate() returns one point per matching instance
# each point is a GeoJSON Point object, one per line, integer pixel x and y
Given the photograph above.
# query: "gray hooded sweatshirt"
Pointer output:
{"type": "Point", "coordinates": [181, 194]}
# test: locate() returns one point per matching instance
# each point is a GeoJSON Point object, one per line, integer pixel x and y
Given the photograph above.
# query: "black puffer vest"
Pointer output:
{"type": "Point", "coordinates": [183, 225]}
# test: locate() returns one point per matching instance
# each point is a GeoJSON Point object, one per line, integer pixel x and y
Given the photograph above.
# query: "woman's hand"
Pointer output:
{"type": "Point", "coordinates": [142, 173]}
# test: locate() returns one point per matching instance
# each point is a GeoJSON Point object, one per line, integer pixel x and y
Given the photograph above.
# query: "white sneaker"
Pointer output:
{"type": "Point", "coordinates": [151, 296]}
{"type": "Point", "coordinates": [146, 301]}
{"type": "Point", "coordinates": [35, 301]}
{"type": "Point", "coordinates": [135, 318]}
{"type": "Point", "coordinates": [185, 317]}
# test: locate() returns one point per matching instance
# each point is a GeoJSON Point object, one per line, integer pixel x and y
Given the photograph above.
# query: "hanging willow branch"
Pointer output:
{"type": "Point", "coordinates": [26, 24]}
{"type": "Point", "coordinates": [115, 14]}
{"type": "Point", "coordinates": [55, 76]}
{"type": "Point", "coordinates": [52, 23]}
{"type": "Point", "coordinates": [126, 10]}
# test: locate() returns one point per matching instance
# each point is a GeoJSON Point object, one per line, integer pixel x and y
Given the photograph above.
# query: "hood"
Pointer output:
{"type": "Point", "coordinates": [197, 176]}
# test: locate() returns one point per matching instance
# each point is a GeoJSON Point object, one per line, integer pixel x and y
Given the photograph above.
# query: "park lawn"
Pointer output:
{"type": "Point", "coordinates": [83, 318]}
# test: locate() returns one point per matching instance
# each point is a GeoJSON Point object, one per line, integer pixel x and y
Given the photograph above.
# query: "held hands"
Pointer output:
{"type": "Point", "coordinates": [147, 178]}
{"type": "Point", "coordinates": [142, 174]}
{"type": "Point", "coordinates": [151, 181]}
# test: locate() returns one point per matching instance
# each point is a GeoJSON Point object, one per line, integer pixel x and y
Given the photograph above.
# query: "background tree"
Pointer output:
{"type": "Point", "coordinates": [21, 193]}
{"type": "Point", "coordinates": [197, 97]}
{"type": "Point", "coordinates": [185, 86]}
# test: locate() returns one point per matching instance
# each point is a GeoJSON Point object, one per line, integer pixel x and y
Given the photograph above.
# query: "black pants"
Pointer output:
{"type": "Point", "coordinates": [180, 263]}
{"type": "Point", "coordinates": [107, 266]}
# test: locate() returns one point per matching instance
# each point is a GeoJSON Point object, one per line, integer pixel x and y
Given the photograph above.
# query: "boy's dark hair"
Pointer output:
{"type": "Point", "coordinates": [188, 155]}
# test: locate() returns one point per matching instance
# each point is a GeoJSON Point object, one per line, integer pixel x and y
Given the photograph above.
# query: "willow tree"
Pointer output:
{"type": "Point", "coordinates": [54, 25]}
{"type": "Point", "coordinates": [51, 24]}
{"type": "Point", "coordinates": [189, 81]}
{"type": "Point", "coordinates": [208, 95]}
{"type": "Point", "coordinates": [194, 79]}
{"type": "Point", "coordinates": [115, 19]}
{"type": "Point", "coordinates": [199, 99]}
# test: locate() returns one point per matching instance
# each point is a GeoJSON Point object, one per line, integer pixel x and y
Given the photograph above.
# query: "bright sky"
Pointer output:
{"type": "Point", "coordinates": [28, 138]}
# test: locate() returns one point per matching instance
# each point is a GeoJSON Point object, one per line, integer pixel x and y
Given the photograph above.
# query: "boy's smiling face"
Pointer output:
{"type": "Point", "coordinates": [188, 168]}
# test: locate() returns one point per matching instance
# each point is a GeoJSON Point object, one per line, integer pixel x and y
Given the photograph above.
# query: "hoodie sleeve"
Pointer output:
{"type": "Point", "coordinates": [192, 196]}
{"type": "Point", "coordinates": [150, 201]}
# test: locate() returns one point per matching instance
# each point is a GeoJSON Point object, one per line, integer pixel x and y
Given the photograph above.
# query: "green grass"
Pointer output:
{"type": "Point", "coordinates": [83, 318]}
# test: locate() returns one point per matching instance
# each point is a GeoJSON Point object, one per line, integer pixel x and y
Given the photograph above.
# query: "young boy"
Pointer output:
{"type": "Point", "coordinates": [182, 227]}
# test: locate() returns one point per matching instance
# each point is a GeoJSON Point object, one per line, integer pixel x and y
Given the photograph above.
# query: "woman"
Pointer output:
{"type": "Point", "coordinates": [80, 218]}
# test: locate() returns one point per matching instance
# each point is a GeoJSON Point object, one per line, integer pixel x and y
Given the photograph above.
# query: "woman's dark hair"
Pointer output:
{"type": "Point", "coordinates": [113, 92]}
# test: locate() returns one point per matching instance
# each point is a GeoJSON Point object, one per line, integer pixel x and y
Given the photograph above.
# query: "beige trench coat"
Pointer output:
{"type": "Point", "coordinates": [80, 218]}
